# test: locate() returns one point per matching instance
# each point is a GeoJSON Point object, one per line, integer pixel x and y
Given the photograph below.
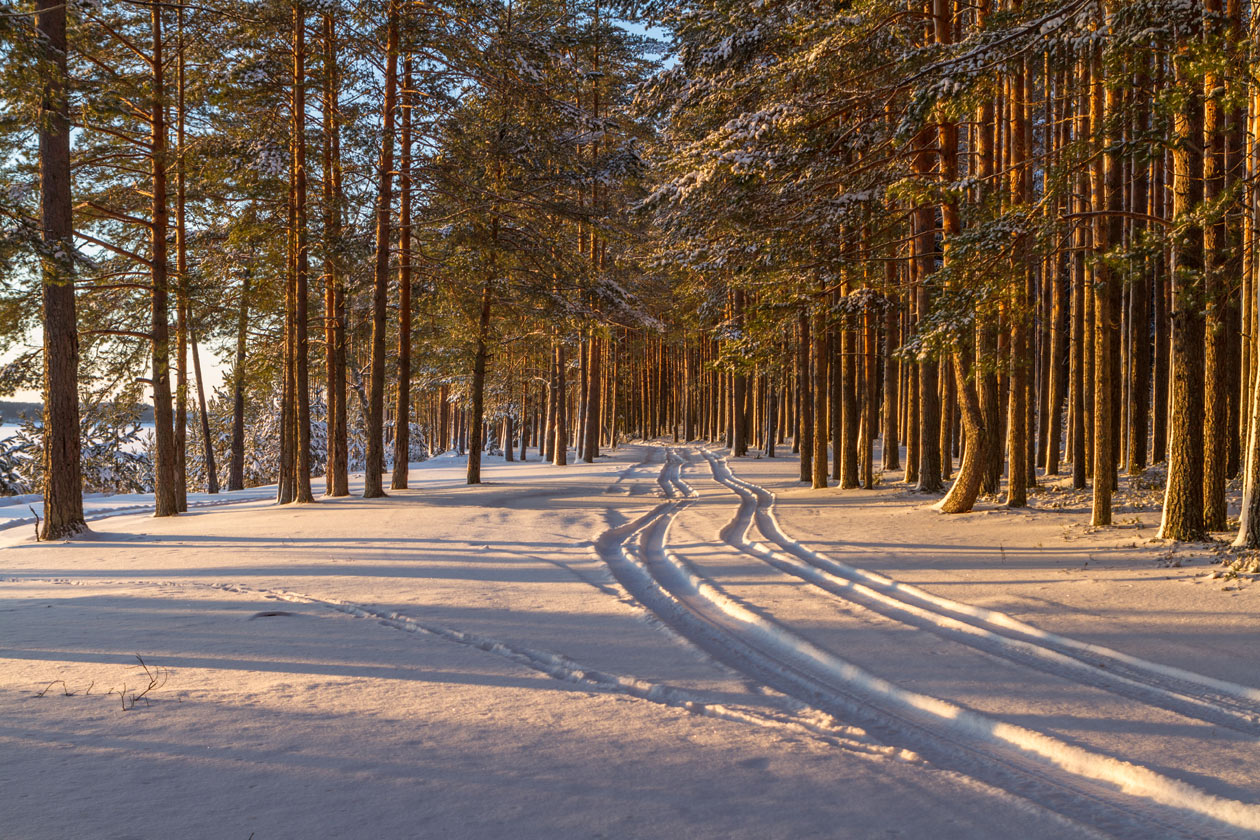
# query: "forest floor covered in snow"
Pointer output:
{"type": "Point", "coordinates": [666, 643]}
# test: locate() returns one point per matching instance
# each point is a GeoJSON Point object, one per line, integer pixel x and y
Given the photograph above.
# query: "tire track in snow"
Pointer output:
{"type": "Point", "coordinates": [684, 489]}
{"type": "Point", "coordinates": [1123, 799]}
{"type": "Point", "coordinates": [629, 472]}
{"type": "Point", "coordinates": [1182, 692]}
{"type": "Point", "coordinates": [670, 478]}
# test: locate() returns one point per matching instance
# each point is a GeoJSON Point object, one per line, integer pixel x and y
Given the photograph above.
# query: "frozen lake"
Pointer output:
{"type": "Point", "coordinates": [8, 430]}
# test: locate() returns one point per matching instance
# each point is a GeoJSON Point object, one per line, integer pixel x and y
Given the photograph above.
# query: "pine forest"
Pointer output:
{"type": "Point", "coordinates": [919, 284]}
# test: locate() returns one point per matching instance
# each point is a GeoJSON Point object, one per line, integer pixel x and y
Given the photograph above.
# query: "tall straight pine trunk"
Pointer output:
{"type": "Point", "coordinates": [301, 270]}
{"type": "Point", "coordinates": [63, 482]}
{"type": "Point", "coordinates": [375, 467]}
{"type": "Point", "coordinates": [165, 494]}
{"type": "Point", "coordinates": [336, 481]}
{"type": "Point", "coordinates": [402, 406]}
{"type": "Point", "coordinates": [1183, 494]}
{"type": "Point", "coordinates": [477, 432]}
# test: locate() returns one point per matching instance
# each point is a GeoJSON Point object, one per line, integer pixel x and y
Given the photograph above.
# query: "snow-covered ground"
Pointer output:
{"type": "Point", "coordinates": [666, 643]}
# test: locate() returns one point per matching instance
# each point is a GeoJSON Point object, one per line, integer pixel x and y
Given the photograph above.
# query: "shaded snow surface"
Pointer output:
{"type": "Point", "coordinates": [664, 644]}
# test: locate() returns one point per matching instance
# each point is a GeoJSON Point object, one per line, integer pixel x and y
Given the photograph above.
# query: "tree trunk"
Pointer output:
{"type": "Point", "coordinates": [476, 438]}
{"type": "Point", "coordinates": [870, 353]}
{"type": "Point", "coordinates": [166, 500]}
{"type": "Point", "coordinates": [911, 376]}
{"type": "Point", "coordinates": [181, 282]}
{"type": "Point", "coordinates": [301, 343]}
{"type": "Point", "coordinates": [236, 467]}
{"type": "Point", "coordinates": [212, 475]}
{"type": "Point", "coordinates": [772, 419]}
{"type": "Point", "coordinates": [1081, 280]}
{"type": "Point", "coordinates": [560, 441]}
{"type": "Point", "coordinates": [375, 468]}
{"type": "Point", "coordinates": [336, 478]}
{"type": "Point", "coordinates": [929, 404]}
{"type": "Point", "coordinates": [1139, 296]}
{"type": "Point", "coordinates": [583, 396]}
{"type": "Point", "coordinates": [891, 444]}
{"type": "Point", "coordinates": [63, 481]}
{"type": "Point", "coordinates": [594, 374]}
{"type": "Point", "coordinates": [820, 351]}
{"type": "Point", "coordinates": [1215, 290]}
{"type": "Point", "coordinates": [526, 427]}
{"type": "Point", "coordinates": [739, 387]}
{"type": "Point", "coordinates": [1183, 494]}
{"type": "Point", "coordinates": [1249, 516]}
{"type": "Point", "coordinates": [849, 417]}
{"type": "Point", "coordinates": [288, 425]}
{"type": "Point", "coordinates": [835, 396]}
{"type": "Point", "coordinates": [1163, 329]}
{"type": "Point", "coordinates": [1107, 232]}
{"type": "Point", "coordinates": [805, 412]}
{"type": "Point", "coordinates": [1056, 380]}
{"type": "Point", "coordinates": [402, 409]}
{"type": "Point", "coordinates": [966, 487]}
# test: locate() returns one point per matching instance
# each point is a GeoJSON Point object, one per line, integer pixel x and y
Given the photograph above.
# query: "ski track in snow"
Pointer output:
{"type": "Point", "coordinates": [1191, 695]}
{"type": "Point", "coordinates": [1123, 799]}
{"type": "Point", "coordinates": [785, 715]}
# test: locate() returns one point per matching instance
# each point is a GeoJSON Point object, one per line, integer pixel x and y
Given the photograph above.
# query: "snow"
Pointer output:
{"type": "Point", "coordinates": [666, 643]}
{"type": "Point", "coordinates": [16, 511]}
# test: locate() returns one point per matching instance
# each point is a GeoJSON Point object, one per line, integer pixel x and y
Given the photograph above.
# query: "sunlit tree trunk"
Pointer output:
{"type": "Point", "coordinates": [929, 404]}
{"type": "Point", "coordinates": [560, 440]}
{"type": "Point", "coordinates": [402, 410]}
{"type": "Point", "coordinates": [1183, 494]}
{"type": "Point", "coordinates": [63, 482]}
{"type": "Point", "coordinates": [820, 351]}
{"type": "Point", "coordinates": [165, 491]}
{"type": "Point", "coordinates": [1108, 231]}
{"type": "Point", "coordinates": [336, 479]}
{"type": "Point", "coordinates": [375, 467]}
{"type": "Point", "coordinates": [301, 271]}
{"type": "Point", "coordinates": [1216, 357]}
{"type": "Point", "coordinates": [1017, 441]}
{"type": "Point", "coordinates": [805, 409]}
{"type": "Point", "coordinates": [846, 454]}
{"type": "Point", "coordinates": [966, 487]}
{"type": "Point", "coordinates": [1139, 308]}
{"type": "Point", "coordinates": [739, 386]}
{"type": "Point", "coordinates": [477, 433]}
{"type": "Point", "coordinates": [181, 281]}
{"type": "Point", "coordinates": [595, 372]}
{"type": "Point", "coordinates": [891, 447]}
{"type": "Point", "coordinates": [236, 465]}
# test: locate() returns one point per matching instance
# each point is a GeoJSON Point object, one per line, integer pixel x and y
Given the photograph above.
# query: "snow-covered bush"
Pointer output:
{"type": "Point", "coordinates": [15, 466]}
{"type": "Point", "coordinates": [115, 455]}
{"type": "Point", "coordinates": [115, 452]}
{"type": "Point", "coordinates": [262, 439]}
